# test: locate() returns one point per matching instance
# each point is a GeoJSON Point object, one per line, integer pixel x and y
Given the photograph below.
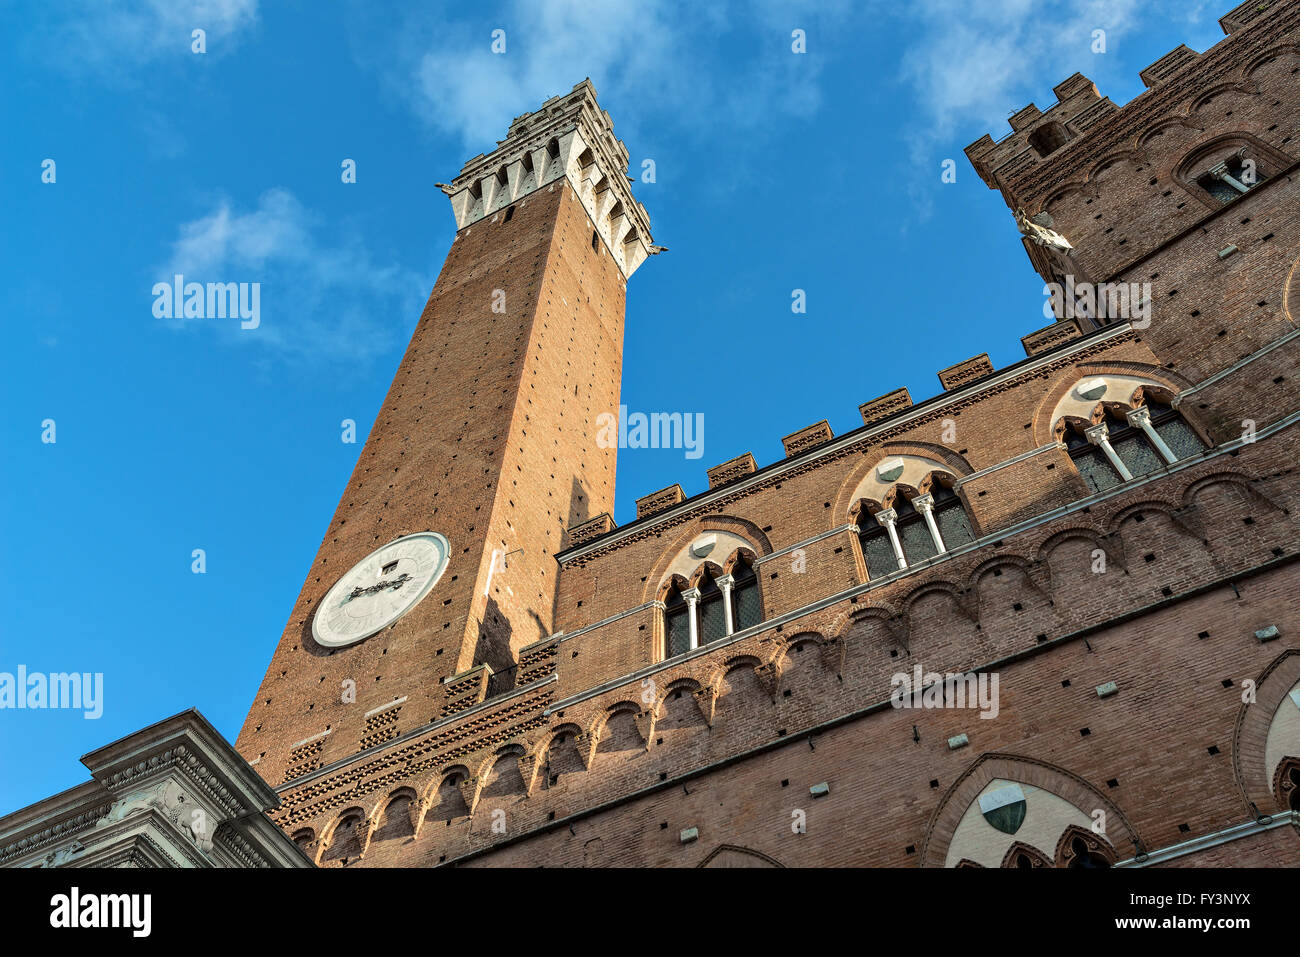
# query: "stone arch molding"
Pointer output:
{"type": "Point", "coordinates": [1005, 800]}
{"type": "Point", "coordinates": [1267, 734]}
{"type": "Point", "coordinates": [914, 474]}
{"type": "Point", "coordinates": [717, 539]}
{"type": "Point", "coordinates": [1085, 399]}
{"type": "Point", "coordinates": [731, 855]}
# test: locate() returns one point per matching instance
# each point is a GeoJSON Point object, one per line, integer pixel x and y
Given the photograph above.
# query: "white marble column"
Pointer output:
{"type": "Point", "coordinates": [692, 597]}
{"type": "Point", "coordinates": [725, 583]}
{"type": "Point", "coordinates": [1220, 172]}
{"type": "Point", "coordinates": [925, 505]}
{"type": "Point", "coordinates": [1141, 417]}
{"type": "Point", "coordinates": [887, 518]}
{"type": "Point", "coordinates": [1099, 435]}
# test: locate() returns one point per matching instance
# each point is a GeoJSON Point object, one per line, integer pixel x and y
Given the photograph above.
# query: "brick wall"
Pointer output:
{"type": "Point", "coordinates": [605, 754]}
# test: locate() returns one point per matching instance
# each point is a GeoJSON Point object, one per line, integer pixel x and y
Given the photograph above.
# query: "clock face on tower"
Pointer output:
{"type": "Point", "coordinates": [380, 589]}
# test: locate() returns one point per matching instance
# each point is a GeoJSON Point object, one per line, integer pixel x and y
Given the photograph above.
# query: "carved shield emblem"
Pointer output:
{"type": "Point", "coordinates": [1004, 808]}
{"type": "Point", "coordinates": [890, 469]}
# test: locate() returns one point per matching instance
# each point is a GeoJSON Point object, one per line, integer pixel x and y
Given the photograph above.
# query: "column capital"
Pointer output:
{"type": "Point", "coordinates": [1097, 434]}
{"type": "Point", "coordinates": [692, 595]}
{"type": "Point", "coordinates": [923, 503]}
{"type": "Point", "coordinates": [1140, 417]}
{"type": "Point", "coordinates": [886, 517]}
{"type": "Point", "coordinates": [725, 581]}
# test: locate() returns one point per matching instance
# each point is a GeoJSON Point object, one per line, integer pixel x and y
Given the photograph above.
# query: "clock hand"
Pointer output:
{"type": "Point", "coordinates": [377, 587]}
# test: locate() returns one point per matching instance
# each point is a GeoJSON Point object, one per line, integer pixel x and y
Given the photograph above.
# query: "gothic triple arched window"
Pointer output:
{"type": "Point", "coordinates": [1123, 442]}
{"type": "Point", "coordinates": [713, 604]}
{"type": "Point", "coordinates": [911, 527]}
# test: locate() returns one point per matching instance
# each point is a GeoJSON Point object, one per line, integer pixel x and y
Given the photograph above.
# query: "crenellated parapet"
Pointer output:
{"type": "Point", "coordinates": [569, 138]}
{"type": "Point", "coordinates": [1065, 142]}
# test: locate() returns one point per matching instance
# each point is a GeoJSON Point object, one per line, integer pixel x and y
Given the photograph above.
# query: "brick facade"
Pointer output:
{"type": "Point", "coordinates": [778, 743]}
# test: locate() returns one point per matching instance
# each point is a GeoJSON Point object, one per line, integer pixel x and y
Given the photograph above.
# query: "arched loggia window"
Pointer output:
{"type": "Point", "coordinates": [1127, 444]}
{"type": "Point", "coordinates": [716, 607]}
{"type": "Point", "coordinates": [914, 529]}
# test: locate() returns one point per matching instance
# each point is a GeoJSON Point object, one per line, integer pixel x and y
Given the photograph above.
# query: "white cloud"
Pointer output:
{"type": "Point", "coordinates": [975, 62]}
{"type": "Point", "coordinates": [665, 65]}
{"type": "Point", "coordinates": [322, 299]}
{"type": "Point", "coordinates": [112, 36]}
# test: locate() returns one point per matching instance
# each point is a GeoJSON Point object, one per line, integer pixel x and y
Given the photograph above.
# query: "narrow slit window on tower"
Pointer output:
{"type": "Point", "coordinates": [595, 241]}
{"type": "Point", "coordinates": [510, 212]}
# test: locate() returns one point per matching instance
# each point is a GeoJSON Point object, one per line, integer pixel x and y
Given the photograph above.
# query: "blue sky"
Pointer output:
{"type": "Point", "coordinates": [775, 172]}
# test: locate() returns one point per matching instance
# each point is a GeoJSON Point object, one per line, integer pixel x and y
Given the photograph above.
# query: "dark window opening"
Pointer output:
{"type": "Point", "coordinates": [677, 624]}
{"type": "Point", "coordinates": [713, 616]}
{"type": "Point", "coordinates": [1048, 138]}
{"type": "Point", "coordinates": [1083, 858]}
{"type": "Point", "coordinates": [746, 606]}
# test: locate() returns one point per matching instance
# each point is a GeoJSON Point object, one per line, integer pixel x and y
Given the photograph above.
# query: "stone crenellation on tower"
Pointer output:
{"type": "Point", "coordinates": [569, 137]}
{"type": "Point", "coordinates": [1099, 538]}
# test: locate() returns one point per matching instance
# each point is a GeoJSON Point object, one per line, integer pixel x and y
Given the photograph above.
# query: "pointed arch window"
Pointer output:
{"type": "Point", "coordinates": [1129, 444]}
{"type": "Point", "coordinates": [913, 530]}
{"type": "Point", "coordinates": [715, 608]}
{"type": "Point", "coordinates": [1083, 859]}
{"type": "Point", "coordinates": [713, 617]}
{"type": "Point", "coordinates": [954, 524]}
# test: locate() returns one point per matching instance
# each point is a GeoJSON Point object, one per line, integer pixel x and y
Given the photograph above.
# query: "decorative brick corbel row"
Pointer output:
{"type": "Point", "coordinates": [471, 789]}
{"type": "Point", "coordinates": [769, 676]}
{"type": "Point", "coordinates": [645, 724]}
{"type": "Point", "coordinates": [706, 698]}
{"type": "Point", "coordinates": [586, 742]}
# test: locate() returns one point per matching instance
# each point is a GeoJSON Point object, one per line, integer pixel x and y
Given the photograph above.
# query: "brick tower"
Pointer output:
{"type": "Point", "coordinates": [485, 438]}
{"type": "Point", "coordinates": [1097, 542]}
